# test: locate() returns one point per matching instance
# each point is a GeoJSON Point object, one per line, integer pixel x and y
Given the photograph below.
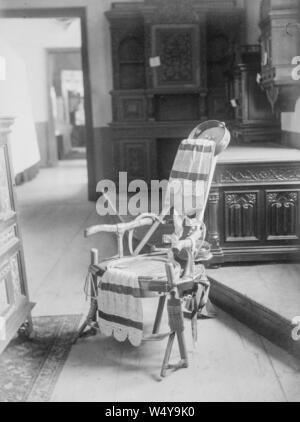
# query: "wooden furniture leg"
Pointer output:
{"type": "Point", "coordinates": [177, 328]}
{"type": "Point", "coordinates": [205, 307]}
{"type": "Point", "coordinates": [184, 363]}
{"type": "Point", "coordinates": [26, 330]}
{"type": "Point", "coordinates": [168, 351]}
{"type": "Point", "coordinates": [159, 313]}
{"type": "Point", "coordinates": [91, 319]}
{"type": "Point", "coordinates": [176, 323]}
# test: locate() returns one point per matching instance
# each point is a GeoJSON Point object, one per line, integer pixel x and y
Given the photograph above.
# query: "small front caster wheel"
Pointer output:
{"type": "Point", "coordinates": [25, 332]}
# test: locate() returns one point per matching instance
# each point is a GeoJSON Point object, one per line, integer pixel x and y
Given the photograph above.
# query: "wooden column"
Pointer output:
{"type": "Point", "coordinates": [213, 225]}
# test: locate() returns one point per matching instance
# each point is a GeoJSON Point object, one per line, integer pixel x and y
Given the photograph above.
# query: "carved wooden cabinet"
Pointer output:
{"type": "Point", "coordinates": [15, 307]}
{"type": "Point", "coordinates": [280, 43]}
{"type": "Point", "coordinates": [254, 119]}
{"type": "Point", "coordinates": [254, 206]}
{"type": "Point", "coordinates": [161, 51]}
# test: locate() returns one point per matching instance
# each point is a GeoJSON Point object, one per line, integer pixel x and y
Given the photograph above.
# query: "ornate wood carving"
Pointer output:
{"type": "Point", "coordinates": [133, 109]}
{"type": "Point", "coordinates": [176, 53]}
{"type": "Point", "coordinates": [171, 11]}
{"type": "Point", "coordinates": [134, 156]}
{"type": "Point", "coordinates": [135, 159]}
{"type": "Point", "coordinates": [241, 216]}
{"type": "Point", "coordinates": [129, 107]}
{"type": "Point", "coordinates": [260, 174]}
{"type": "Point", "coordinates": [177, 46]}
{"type": "Point", "coordinates": [127, 32]}
{"type": "Point", "coordinates": [282, 212]}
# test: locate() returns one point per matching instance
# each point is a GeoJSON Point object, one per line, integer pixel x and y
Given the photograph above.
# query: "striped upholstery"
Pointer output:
{"type": "Point", "coordinates": [120, 307]}
{"type": "Point", "coordinates": [189, 180]}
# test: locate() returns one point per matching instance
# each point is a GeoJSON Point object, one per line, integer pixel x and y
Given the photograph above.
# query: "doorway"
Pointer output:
{"type": "Point", "coordinates": [66, 99]}
{"type": "Point", "coordinates": [73, 137]}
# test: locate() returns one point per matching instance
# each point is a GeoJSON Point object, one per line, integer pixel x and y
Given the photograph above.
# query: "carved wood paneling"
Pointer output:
{"type": "Point", "coordinates": [171, 11]}
{"type": "Point", "coordinates": [282, 214]}
{"type": "Point", "coordinates": [137, 158]}
{"type": "Point", "coordinates": [122, 37]}
{"type": "Point", "coordinates": [129, 107]}
{"type": "Point", "coordinates": [178, 49]}
{"type": "Point", "coordinates": [133, 109]}
{"type": "Point", "coordinates": [241, 216]}
{"type": "Point", "coordinates": [259, 174]}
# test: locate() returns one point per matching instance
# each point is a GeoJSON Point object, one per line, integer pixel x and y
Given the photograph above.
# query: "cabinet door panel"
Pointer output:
{"type": "Point", "coordinates": [282, 214]}
{"type": "Point", "coordinates": [6, 205]}
{"type": "Point", "coordinates": [17, 276]}
{"type": "Point", "coordinates": [242, 216]}
{"type": "Point", "coordinates": [5, 280]}
{"type": "Point", "coordinates": [177, 46]}
{"type": "Point", "coordinates": [12, 288]}
{"type": "Point", "coordinates": [137, 158]}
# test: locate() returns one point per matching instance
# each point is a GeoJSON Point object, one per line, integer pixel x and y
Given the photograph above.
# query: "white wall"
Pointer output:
{"type": "Point", "coordinates": [29, 39]}
{"type": "Point", "coordinates": [290, 122]}
{"type": "Point", "coordinates": [15, 101]}
{"type": "Point", "coordinates": [252, 20]}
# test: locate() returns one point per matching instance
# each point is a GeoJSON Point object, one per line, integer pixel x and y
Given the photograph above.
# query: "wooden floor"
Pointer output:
{"type": "Point", "coordinates": [54, 212]}
{"type": "Point", "coordinates": [230, 362]}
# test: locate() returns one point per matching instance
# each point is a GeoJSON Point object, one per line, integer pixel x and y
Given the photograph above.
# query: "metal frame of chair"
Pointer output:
{"type": "Point", "coordinates": [180, 282]}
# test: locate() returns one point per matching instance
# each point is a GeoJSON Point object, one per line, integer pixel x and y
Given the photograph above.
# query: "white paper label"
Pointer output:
{"type": "Point", "coordinates": [154, 61]}
{"type": "Point", "coordinates": [233, 103]}
{"type": "Point", "coordinates": [265, 58]}
{"type": "Point", "coordinates": [258, 78]}
{"type": "Point", "coordinates": [2, 68]}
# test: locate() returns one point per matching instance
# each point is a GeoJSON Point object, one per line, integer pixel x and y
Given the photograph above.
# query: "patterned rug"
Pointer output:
{"type": "Point", "coordinates": [29, 369]}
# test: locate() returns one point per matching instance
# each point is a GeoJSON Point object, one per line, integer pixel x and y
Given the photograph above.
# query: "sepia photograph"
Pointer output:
{"type": "Point", "coordinates": [149, 203]}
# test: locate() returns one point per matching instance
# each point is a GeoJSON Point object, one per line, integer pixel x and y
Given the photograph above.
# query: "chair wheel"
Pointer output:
{"type": "Point", "coordinates": [25, 332]}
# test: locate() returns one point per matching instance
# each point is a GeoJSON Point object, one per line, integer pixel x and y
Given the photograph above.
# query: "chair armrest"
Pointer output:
{"type": "Point", "coordinates": [121, 228]}
{"type": "Point", "coordinates": [192, 240]}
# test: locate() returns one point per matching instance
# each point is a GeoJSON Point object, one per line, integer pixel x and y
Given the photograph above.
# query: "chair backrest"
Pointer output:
{"type": "Point", "coordinates": [192, 173]}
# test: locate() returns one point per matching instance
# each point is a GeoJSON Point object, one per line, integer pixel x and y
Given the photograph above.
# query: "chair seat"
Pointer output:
{"type": "Point", "coordinates": [151, 272]}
